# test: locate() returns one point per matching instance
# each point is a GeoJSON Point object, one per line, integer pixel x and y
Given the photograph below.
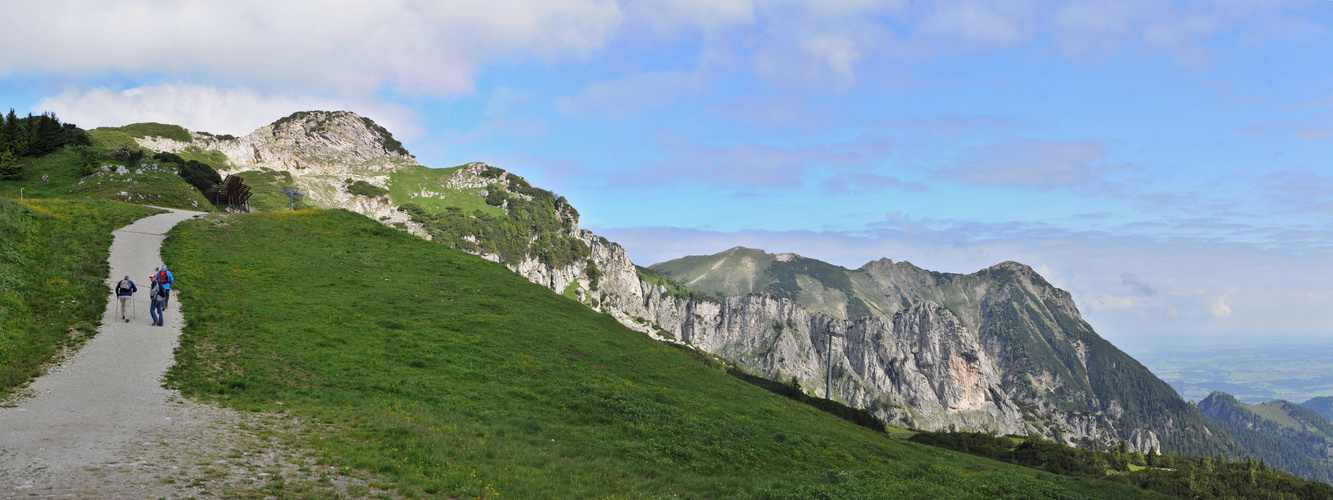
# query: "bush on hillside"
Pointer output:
{"type": "Point", "coordinates": [199, 174]}
{"type": "Point", "coordinates": [195, 173]}
{"type": "Point", "coordinates": [88, 162]}
{"type": "Point", "coordinates": [363, 188]}
{"type": "Point", "coordinates": [496, 196]}
{"type": "Point", "coordinates": [127, 155]}
{"type": "Point", "coordinates": [166, 157]}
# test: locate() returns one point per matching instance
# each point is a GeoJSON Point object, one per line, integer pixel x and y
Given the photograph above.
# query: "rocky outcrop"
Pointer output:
{"type": "Point", "coordinates": [305, 143]}
{"type": "Point", "coordinates": [1223, 407]}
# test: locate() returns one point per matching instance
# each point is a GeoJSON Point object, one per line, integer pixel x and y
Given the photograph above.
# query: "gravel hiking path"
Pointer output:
{"type": "Point", "coordinates": [99, 424]}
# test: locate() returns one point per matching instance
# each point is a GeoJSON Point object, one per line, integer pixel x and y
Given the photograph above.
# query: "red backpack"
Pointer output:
{"type": "Point", "coordinates": [162, 277]}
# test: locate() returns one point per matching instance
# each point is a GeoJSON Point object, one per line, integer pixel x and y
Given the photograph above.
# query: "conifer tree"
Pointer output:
{"type": "Point", "coordinates": [11, 135]}
{"type": "Point", "coordinates": [10, 169]}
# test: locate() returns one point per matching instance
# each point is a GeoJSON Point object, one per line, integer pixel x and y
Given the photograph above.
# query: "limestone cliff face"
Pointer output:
{"type": "Point", "coordinates": [920, 366]}
{"type": "Point", "coordinates": [309, 142]}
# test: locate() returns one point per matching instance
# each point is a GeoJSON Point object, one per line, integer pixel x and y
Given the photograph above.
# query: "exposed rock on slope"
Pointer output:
{"type": "Point", "coordinates": [307, 142]}
{"type": "Point", "coordinates": [1064, 380]}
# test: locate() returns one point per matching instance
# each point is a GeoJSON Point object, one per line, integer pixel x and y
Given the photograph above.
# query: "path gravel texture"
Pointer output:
{"type": "Point", "coordinates": [99, 424]}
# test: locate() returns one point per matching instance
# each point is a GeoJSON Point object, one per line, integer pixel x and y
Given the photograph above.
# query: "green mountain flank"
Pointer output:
{"type": "Point", "coordinates": [1322, 405]}
{"type": "Point", "coordinates": [1285, 435]}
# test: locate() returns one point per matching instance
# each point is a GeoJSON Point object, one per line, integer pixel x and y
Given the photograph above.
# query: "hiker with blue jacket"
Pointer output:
{"type": "Point", "coordinates": [125, 291]}
{"type": "Point", "coordinates": [165, 279]}
{"type": "Point", "coordinates": [156, 294]}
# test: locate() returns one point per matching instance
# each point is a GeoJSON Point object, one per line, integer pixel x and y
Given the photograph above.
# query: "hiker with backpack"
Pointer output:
{"type": "Point", "coordinates": [125, 291]}
{"type": "Point", "coordinates": [156, 294]}
{"type": "Point", "coordinates": [165, 279]}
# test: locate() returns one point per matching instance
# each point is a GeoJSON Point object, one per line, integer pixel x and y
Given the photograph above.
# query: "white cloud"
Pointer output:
{"type": "Point", "coordinates": [974, 24]}
{"type": "Point", "coordinates": [838, 53]}
{"type": "Point", "coordinates": [1220, 308]}
{"type": "Point", "coordinates": [1106, 301]}
{"type": "Point", "coordinates": [670, 16]}
{"type": "Point", "coordinates": [354, 47]}
{"type": "Point", "coordinates": [233, 111]}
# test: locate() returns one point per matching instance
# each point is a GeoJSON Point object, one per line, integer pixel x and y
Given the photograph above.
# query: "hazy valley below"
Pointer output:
{"type": "Point", "coordinates": [1254, 371]}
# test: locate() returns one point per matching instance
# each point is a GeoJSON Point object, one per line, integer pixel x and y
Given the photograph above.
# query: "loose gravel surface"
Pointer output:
{"type": "Point", "coordinates": [99, 424]}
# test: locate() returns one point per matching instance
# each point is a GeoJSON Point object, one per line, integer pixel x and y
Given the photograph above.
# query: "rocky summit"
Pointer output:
{"type": "Point", "coordinates": [306, 142]}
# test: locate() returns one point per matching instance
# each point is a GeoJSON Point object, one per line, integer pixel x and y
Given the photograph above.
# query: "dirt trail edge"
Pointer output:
{"type": "Point", "coordinates": [100, 424]}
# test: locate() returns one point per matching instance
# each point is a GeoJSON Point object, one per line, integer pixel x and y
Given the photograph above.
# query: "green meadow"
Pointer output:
{"type": "Point", "coordinates": [445, 375]}
{"type": "Point", "coordinates": [407, 184]}
{"type": "Point", "coordinates": [58, 175]}
{"type": "Point", "coordinates": [53, 273]}
{"type": "Point", "coordinates": [266, 190]}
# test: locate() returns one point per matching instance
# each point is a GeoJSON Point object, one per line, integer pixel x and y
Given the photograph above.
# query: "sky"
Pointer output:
{"type": "Point", "coordinates": [1166, 162]}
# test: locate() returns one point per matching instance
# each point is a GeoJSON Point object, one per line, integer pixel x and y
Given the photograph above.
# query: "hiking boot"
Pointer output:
{"type": "Point", "coordinates": [127, 320]}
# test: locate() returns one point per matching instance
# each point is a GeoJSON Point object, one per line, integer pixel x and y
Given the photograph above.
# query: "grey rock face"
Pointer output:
{"type": "Point", "coordinates": [920, 368]}
{"type": "Point", "coordinates": [317, 142]}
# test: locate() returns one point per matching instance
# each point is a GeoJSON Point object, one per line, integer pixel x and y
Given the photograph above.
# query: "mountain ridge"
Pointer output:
{"type": "Point", "coordinates": [1049, 358]}
{"type": "Point", "coordinates": [1000, 349]}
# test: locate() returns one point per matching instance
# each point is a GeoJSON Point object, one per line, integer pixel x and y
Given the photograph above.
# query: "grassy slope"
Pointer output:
{"type": "Point", "coordinates": [1276, 412]}
{"type": "Point", "coordinates": [49, 176]}
{"type": "Point", "coordinates": [56, 175]}
{"type": "Point", "coordinates": [145, 184]}
{"type": "Point", "coordinates": [53, 269]}
{"type": "Point", "coordinates": [733, 272]}
{"type": "Point", "coordinates": [112, 138]}
{"type": "Point", "coordinates": [265, 191]}
{"type": "Point", "coordinates": [449, 374]}
{"type": "Point", "coordinates": [410, 181]}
